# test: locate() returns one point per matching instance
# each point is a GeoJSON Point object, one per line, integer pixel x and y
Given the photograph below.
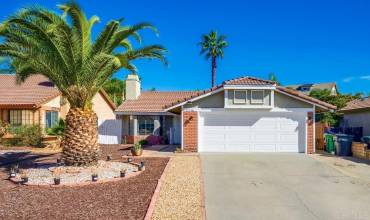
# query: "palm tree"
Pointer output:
{"type": "Point", "coordinates": [61, 48]}
{"type": "Point", "coordinates": [213, 46]}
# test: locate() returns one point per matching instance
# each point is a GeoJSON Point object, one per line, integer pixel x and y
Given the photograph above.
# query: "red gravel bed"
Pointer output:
{"type": "Point", "coordinates": [125, 199]}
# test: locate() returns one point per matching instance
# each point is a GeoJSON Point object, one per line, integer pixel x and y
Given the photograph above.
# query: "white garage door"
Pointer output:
{"type": "Point", "coordinates": [252, 131]}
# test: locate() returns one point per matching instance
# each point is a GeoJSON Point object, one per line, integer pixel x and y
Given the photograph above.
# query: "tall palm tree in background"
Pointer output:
{"type": "Point", "coordinates": [212, 46]}
{"type": "Point", "coordinates": [61, 48]}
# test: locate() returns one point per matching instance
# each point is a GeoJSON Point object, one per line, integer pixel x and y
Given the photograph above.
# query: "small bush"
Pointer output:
{"type": "Point", "coordinates": [4, 127]}
{"type": "Point", "coordinates": [26, 135]}
{"type": "Point", "coordinates": [143, 142]}
{"type": "Point", "coordinates": [57, 129]}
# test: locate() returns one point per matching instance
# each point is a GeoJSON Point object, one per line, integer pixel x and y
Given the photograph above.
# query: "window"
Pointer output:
{"type": "Point", "coordinates": [146, 125]}
{"type": "Point", "coordinates": [51, 119]}
{"type": "Point", "coordinates": [240, 96]}
{"type": "Point", "coordinates": [20, 117]}
{"type": "Point", "coordinates": [257, 96]}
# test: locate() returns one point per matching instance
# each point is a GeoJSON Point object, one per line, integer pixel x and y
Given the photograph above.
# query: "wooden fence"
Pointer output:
{"type": "Point", "coordinates": [319, 133]}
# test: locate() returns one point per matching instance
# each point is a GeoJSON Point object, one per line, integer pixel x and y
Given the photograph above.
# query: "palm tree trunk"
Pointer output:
{"type": "Point", "coordinates": [80, 143]}
{"type": "Point", "coordinates": [213, 71]}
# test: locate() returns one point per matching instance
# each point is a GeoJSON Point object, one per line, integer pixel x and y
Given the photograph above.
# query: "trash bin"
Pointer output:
{"type": "Point", "coordinates": [329, 143]}
{"type": "Point", "coordinates": [366, 140]}
{"type": "Point", "coordinates": [344, 146]}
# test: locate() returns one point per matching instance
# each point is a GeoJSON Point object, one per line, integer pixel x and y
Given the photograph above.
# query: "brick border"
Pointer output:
{"type": "Point", "coordinates": [155, 196]}
{"type": "Point", "coordinates": [202, 191]}
{"type": "Point", "coordinates": [310, 133]}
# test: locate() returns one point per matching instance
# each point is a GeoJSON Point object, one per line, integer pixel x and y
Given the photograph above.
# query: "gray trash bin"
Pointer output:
{"type": "Point", "coordinates": [344, 145]}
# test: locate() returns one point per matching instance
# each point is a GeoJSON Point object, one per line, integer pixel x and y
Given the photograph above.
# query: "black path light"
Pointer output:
{"type": "Point", "coordinates": [12, 172]}
{"type": "Point", "coordinates": [123, 173]}
{"type": "Point", "coordinates": [109, 157]}
{"type": "Point", "coordinates": [142, 166]}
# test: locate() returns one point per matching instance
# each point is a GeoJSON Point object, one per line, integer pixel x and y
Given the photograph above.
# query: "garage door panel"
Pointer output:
{"type": "Point", "coordinates": [266, 147]}
{"type": "Point", "coordinates": [253, 131]}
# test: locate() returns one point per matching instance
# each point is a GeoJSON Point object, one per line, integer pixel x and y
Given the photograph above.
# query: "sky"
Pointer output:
{"type": "Point", "coordinates": [299, 41]}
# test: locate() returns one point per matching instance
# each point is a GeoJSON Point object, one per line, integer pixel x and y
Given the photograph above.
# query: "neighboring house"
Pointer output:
{"type": "Point", "coordinates": [307, 88]}
{"type": "Point", "coordinates": [357, 114]}
{"type": "Point", "coordinates": [38, 101]}
{"type": "Point", "coordinates": [240, 115]}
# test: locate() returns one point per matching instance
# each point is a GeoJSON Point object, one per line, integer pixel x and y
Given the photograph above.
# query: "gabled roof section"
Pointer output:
{"type": "Point", "coordinates": [249, 81]}
{"type": "Point", "coordinates": [32, 93]}
{"type": "Point", "coordinates": [357, 104]}
{"type": "Point", "coordinates": [153, 101]}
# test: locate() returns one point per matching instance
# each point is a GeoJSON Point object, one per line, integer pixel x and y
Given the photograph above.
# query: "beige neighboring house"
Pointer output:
{"type": "Point", "coordinates": [357, 114]}
{"type": "Point", "coordinates": [38, 101]}
{"type": "Point", "coordinates": [308, 87]}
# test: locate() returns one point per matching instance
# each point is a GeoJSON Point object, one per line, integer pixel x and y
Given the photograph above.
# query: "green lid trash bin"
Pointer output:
{"type": "Point", "coordinates": [329, 142]}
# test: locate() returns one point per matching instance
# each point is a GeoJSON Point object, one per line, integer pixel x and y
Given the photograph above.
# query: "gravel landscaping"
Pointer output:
{"type": "Point", "coordinates": [180, 195]}
{"type": "Point", "coordinates": [44, 174]}
{"type": "Point", "coordinates": [123, 199]}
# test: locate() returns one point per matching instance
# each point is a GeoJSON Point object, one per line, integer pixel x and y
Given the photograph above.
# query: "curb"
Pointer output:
{"type": "Point", "coordinates": [150, 210]}
{"type": "Point", "coordinates": [202, 192]}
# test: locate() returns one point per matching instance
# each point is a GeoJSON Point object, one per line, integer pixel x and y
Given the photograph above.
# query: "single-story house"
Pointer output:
{"type": "Point", "coordinates": [308, 87]}
{"type": "Point", "coordinates": [356, 113]}
{"type": "Point", "coordinates": [245, 114]}
{"type": "Point", "coordinates": [38, 101]}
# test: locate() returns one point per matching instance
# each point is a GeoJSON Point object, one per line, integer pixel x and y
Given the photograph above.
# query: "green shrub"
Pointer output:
{"type": "Point", "coordinates": [4, 127]}
{"type": "Point", "coordinates": [26, 135]}
{"type": "Point", "coordinates": [57, 129]}
{"type": "Point", "coordinates": [143, 142]}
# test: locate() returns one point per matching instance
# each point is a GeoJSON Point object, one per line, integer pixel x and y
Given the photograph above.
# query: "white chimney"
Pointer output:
{"type": "Point", "coordinates": [133, 87]}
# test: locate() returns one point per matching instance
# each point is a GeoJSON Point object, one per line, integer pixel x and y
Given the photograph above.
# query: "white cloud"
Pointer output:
{"type": "Point", "coordinates": [365, 77]}
{"type": "Point", "coordinates": [348, 79]}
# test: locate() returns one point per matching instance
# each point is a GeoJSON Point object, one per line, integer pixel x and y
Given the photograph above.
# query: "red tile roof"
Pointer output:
{"type": "Point", "coordinates": [35, 91]}
{"type": "Point", "coordinates": [153, 101]}
{"type": "Point", "coordinates": [32, 93]}
{"type": "Point", "coordinates": [247, 80]}
{"type": "Point", "coordinates": [357, 104]}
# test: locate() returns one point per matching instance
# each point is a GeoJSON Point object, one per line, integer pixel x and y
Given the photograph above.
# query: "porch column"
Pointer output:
{"type": "Point", "coordinates": [157, 125]}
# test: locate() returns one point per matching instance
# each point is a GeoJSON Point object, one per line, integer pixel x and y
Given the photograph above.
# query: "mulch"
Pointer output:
{"type": "Point", "coordinates": [125, 199]}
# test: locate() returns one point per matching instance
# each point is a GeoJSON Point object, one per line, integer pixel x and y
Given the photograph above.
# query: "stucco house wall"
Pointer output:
{"type": "Point", "coordinates": [358, 119]}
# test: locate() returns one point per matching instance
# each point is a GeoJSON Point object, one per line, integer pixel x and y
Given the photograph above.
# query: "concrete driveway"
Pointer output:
{"type": "Point", "coordinates": [280, 186]}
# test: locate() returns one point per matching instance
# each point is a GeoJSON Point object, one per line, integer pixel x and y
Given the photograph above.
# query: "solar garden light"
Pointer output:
{"type": "Point", "coordinates": [12, 172]}
{"type": "Point", "coordinates": [142, 166]}
{"type": "Point", "coordinates": [129, 160]}
{"type": "Point", "coordinates": [59, 160]}
{"type": "Point", "coordinates": [56, 180]}
{"type": "Point", "coordinates": [24, 177]}
{"type": "Point", "coordinates": [109, 157]}
{"type": "Point", "coordinates": [123, 173]}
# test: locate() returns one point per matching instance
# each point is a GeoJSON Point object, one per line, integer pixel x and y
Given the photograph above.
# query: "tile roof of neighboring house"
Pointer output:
{"type": "Point", "coordinates": [32, 93]}
{"type": "Point", "coordinates": [357, 104]}
{"type": "Point", "coordinates": [153, 101]}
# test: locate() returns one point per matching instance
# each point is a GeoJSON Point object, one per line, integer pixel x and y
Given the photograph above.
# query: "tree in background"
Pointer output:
{"type": "Point", "coordinates": [115, 88]}
{"type": "Point", "coordinates": [272, 77]}
{"type": "Point", "coordinates": [339, 100]}
{"type": "Point", "coordinates": [212, 46]}
{"type": "Point", "coordinates": [60, 47]}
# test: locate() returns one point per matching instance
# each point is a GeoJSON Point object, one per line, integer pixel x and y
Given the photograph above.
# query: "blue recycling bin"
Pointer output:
{"type": "Point", "coordinates": [344, 145]}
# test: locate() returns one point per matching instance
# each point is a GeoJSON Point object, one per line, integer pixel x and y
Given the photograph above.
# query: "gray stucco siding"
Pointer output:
{"type": "Point", "coordinates": [217, 101]}
{"type": "Point", "coordinates": [358, 119]}
{"type": "Point", "coordinates": [213, 101]}
{"type": "Point", "coordinates": [284, 101]}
